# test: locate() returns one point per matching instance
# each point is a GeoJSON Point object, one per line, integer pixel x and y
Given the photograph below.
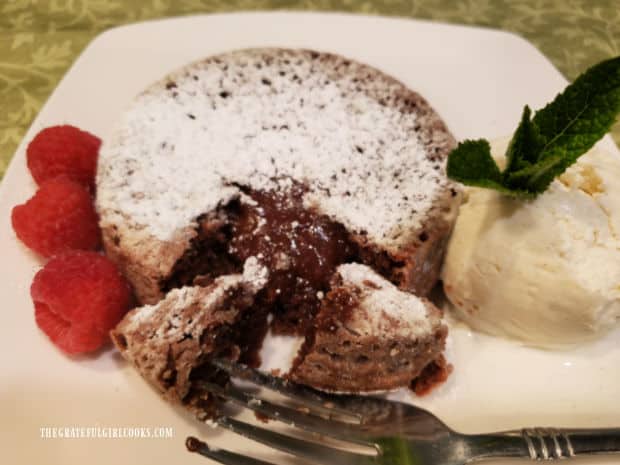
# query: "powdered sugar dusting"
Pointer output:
{"type": "Point", "coordinates": [177, 300]}
{"type": "Point", "coordinates": [383, 308]}
{"type": "Point", "coordinates": [260, 118]}
{"type": "Point", "coordinates": [175, 303]}
{"type": "Point", "coordinates": [255, 274]}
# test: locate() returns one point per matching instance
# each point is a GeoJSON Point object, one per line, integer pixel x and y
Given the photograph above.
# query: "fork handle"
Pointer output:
{"type": "Point", "coordinates": [546, 443]}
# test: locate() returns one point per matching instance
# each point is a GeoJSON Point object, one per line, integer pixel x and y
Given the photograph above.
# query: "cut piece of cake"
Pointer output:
{"type": "Point", "coordinates": [170, 343]}
{"type": "Point", "coordinates": [305, 160]}
{"type": "Point", "coordinates": [369, 336]}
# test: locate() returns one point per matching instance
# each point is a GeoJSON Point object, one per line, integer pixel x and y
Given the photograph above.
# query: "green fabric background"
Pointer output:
{"type": "Point", "coordinates": [39, 39]}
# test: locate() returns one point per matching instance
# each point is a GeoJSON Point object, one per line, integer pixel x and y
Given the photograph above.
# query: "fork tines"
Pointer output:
{"type": "Point", "coordinates": [323, 403]}
{"type": "Point", "coordinates": [220, 455]}
{"type": "Point", "coordinates": [316, 414]}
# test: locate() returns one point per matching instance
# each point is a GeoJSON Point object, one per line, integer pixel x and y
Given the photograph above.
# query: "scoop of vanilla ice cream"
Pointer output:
{"type": "Point", "coordinates": [545, 271]}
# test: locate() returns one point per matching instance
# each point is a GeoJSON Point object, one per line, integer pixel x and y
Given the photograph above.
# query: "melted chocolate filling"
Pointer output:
{"type": "Point", "coordinates": [301, 249]}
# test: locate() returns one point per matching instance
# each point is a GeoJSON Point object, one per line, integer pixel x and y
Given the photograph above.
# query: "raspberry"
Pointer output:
{"type": "Point", "coordinates": [64, 151]}
{"type": "Point", "coordinates": [58, 218]}
{"type": "Point", "coordinates": [78, 297]}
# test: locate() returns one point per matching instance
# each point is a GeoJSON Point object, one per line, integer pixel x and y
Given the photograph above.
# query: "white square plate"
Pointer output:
{"type": "Point", "coordinates": [477, 79]}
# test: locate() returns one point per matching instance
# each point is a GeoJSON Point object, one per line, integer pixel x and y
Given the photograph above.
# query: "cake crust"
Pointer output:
{"type": "Point", "coordinates": [369, 336]}
{"type": "Point", "coordinates": [359, 140]}
{"type": "Point", "coordinates": [170, 342]}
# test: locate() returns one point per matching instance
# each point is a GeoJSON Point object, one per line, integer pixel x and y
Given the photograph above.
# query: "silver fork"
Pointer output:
{"type": "Point", "coordinates": [397, 433]}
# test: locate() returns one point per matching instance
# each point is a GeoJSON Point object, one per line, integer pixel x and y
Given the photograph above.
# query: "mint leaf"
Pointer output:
{"type": "Point", "coordinates": [471, 163]}
{"type": "Point", "coordinates": [545, 145]}
{"type": "Point", "coordinates": [571, 124]}
{"type": "Point", "coordinates": [525, 144]}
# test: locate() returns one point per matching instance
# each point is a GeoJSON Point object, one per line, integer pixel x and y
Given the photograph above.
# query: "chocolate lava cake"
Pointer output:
{"type": "Point", "coordinates": [170, 343]}
{"type": "Point", "coordinates": [368, 335]}
{"type": "Point", "coordinates": [298, 163]}
{"type": "Point", "coordinates": [304, 160]}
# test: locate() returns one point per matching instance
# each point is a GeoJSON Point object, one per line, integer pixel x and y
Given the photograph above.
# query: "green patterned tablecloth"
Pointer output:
{"type": "Point", "coordinates": [39, 39]}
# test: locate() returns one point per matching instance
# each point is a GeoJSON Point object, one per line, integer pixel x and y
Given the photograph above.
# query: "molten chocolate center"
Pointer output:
{"type": "Point", "coordinates": [301, 250]}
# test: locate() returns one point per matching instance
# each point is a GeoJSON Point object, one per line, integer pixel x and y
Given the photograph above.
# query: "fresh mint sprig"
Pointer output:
{"type": "Point", "coordinates": [543, 147]}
